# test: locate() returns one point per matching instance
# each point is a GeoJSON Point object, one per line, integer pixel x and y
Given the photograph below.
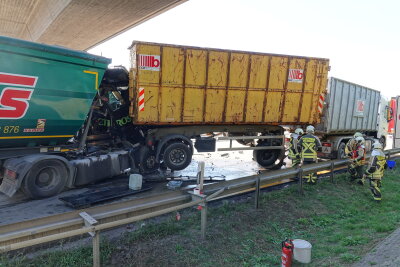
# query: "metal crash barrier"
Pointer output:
{"type": "Point", "coordinates": [95, 219]}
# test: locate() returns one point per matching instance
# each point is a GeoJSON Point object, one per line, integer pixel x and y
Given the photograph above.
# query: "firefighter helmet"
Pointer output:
{"type": "Point", "coordinates": [377, 145]}
{"type": "Point", "coordinates": [358, 134]}
{"type": "Point", "coordinates": [310, 129]}
{"type": "Point", "coordinates": [360, 140]}
{"type": "Point", "coordinates": [299, 131]}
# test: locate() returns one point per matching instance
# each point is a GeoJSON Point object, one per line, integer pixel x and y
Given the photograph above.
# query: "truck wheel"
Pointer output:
{"type": "Point", "coordinates": [266, 158]}
{"type": "Point", "coordinates": [340, 152]}
{"type": "Point", "coordinates": [177, 156]}
{"type": "Point", "coordinates": [45, 179]}
{"type": "Point", "coordinates": [148, 162]}
{"type": "Point", "coordinates": [278, 165]}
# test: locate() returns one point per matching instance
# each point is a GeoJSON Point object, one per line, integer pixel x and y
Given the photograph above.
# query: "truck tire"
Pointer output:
{"type": "Point", "coordinates": [278, 165]}
{"type": "Point", "coordinates": [266, 158]}
{"type": "Point", "coordinates": [45, 179]}
{"type": "Point", "coordinates": [340, 153]}
{"type": "Point", "coordinates": [177, 156]}
{"type": "Point", "coordinates": [147, 160]}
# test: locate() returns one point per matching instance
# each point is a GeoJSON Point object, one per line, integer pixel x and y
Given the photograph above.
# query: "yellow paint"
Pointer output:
{"type": "Point", "coordinates": [96, 74]}
{"type": "Point", "coordinates": [172, 80]}
{"type": "Point", "coordinates": [38, 136]}
{"type": "Point", "coordinates": [197, 86]}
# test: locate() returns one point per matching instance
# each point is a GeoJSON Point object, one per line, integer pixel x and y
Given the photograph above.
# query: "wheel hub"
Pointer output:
{"type": "Point", "coordinates": [151, 162]}
{"type": "Point", "coordinates": [177, 156]}
{"type": "Point", "coordinates": [45, 177]}
{"type": "Point", "coordinates": [267, 155]}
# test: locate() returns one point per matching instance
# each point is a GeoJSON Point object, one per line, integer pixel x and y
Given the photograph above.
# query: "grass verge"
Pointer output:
{"type": "Point", "coordinates": [340, 220]}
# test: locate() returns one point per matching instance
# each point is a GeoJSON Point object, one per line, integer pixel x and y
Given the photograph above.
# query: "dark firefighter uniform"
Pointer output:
{"type": "Point", "coordinates": [356, 167]}
{"type": "Point", "coordinates": [294, 153]}
{"type": "Point", "coordinates": [374, 172]}
{"type": "Point", "coordinates": [309, 144]}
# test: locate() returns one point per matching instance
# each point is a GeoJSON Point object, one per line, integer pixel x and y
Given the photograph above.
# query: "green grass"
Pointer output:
{"type": "Point", "coordinates": [340, 220]}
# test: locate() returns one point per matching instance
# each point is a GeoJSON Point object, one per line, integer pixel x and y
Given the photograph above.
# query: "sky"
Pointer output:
{"type": "Point", "coordinates": [361, 38]}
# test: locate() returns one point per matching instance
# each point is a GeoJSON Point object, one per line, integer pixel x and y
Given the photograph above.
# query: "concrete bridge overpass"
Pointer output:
{"type": "Point", "coordinates": [76, 24]}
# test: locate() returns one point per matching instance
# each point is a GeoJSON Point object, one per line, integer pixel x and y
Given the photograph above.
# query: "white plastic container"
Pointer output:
{"type": "Point", "coordinates": [302, 250]}
{"type": "Point", "coordinates": [135, 181]}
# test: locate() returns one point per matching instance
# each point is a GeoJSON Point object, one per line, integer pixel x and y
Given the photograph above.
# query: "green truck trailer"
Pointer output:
{"type": "Point", "coordinates": [46, 93]}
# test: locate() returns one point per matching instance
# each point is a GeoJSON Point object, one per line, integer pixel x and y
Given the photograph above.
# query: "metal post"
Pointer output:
{"type": "Point", "coordinates": [82, 142]}
{"type": "Point", "coordinates": [300, 177]}
{"type": "Point", "coordinates": [200, 175]}
{"type": "Point", "coordinates": [90, 221]}
{"type": "Point", "coordinates": [257, 193]}
{"type": "Point", "coordinates": [203, 220]}
{"type": "Point", "coordinates": [203, 205]}
{"type": "Point", "coordinates": [332, 171]}
{"type": "Point", "coordinates": [96, 249]}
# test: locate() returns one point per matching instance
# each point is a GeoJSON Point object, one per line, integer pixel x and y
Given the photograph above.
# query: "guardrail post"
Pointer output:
{"type": "Point", "coordinates": [257, 193]}
{"type": "Point", "coordinates": [90, 221]}
{"type": "Point", "coordinates": [332, 171]}
{"type": "Point", "coordinates": [300, 177]}
{"type": "Point", "coordinates": [200, 176]}
{"type": "Point", "coordinates": [203, 219]}
{"type": "Point", "coordinates": [96, 249]}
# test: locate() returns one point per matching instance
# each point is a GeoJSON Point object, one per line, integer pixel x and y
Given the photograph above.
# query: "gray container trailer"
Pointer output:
{"type": "Point", "coordinates": [350, 108]}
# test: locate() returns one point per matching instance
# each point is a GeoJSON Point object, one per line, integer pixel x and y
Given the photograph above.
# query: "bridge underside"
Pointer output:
{"type": "Point", "coordinates": [76, 24]}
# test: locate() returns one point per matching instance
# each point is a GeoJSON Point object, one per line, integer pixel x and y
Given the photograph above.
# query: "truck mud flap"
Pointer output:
{"type": "Point", "coordinates": [9, 186]}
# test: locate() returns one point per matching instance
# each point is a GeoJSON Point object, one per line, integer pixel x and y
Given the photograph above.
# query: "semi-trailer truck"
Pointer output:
{"type": "Point", "coordinates": [67, 120]}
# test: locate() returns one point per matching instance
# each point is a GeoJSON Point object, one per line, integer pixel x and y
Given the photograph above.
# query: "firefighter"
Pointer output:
{"type": "Point", "coordinates": [294, 153]}
{"type": "Point", "coordinates": [351, 144]}
{"type": "Point", "coordinates": [357, 157]}
{"type": "Point", "coordinates": [309, 144]}
{"type": "Point", "coordinates": [376, 167]}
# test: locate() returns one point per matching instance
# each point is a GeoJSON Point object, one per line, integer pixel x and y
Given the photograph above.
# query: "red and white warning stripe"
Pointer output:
{"type": "Point", "coordinates": [141, 99]}
{"type": "Point", "coordinates": [321, 103]}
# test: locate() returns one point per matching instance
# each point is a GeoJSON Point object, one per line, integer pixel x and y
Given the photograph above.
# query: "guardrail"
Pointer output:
{"type": "Point", "coordinates": [93, 220]}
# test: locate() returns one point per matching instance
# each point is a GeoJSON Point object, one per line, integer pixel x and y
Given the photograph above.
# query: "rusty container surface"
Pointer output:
{"type": "Point", "coordinates": [181, 85]}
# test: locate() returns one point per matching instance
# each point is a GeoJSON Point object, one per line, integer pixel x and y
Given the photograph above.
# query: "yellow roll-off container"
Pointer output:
{"type": "Point", "coordinates": [183, 85]}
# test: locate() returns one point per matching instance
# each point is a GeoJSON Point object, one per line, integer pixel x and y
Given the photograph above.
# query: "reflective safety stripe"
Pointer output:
{"type": "Point", "coordinates": [310, 178]}
{"type": "Point", "coordinates": [375, 190]}
{"type": "Point", "coordinates": [309, 148]}
{"type": "Point", "coordinates": [380, 167]}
